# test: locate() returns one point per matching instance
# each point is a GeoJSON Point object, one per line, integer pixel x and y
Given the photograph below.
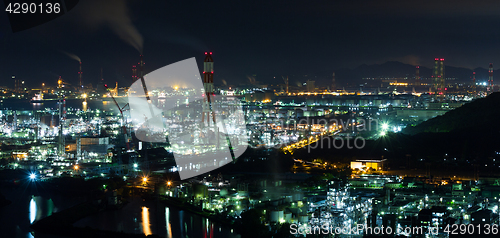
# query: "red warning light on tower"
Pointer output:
{"type": "Point", "coordinates": [208, 85]}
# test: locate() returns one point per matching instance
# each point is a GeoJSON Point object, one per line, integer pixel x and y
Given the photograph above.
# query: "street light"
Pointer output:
{"type": "Point", "coordinates": [169, 183]}
{"type": "Point", "coordinates": [32, 176]}
{"type": "Point", "coordinates": [76, 167]}
{"type": "Point", "coordinates": [135, 165]}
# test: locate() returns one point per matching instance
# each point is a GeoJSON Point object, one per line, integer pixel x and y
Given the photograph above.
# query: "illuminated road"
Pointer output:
{"type": "Point", "coordinates": [312, 139]}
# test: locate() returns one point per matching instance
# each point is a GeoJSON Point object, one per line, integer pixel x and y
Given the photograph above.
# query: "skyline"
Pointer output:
{"type": "Point", "coordinates": [267, 40]}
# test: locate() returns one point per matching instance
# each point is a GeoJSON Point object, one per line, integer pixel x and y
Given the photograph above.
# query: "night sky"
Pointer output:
{"type": "Point", "coordinates": [263, 38]}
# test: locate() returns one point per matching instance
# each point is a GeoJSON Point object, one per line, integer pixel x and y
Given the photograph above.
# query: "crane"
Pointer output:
{"type": "Point", "coordinates": [121, 109]}
{"type": "Point", "coordinates": [125, 142]}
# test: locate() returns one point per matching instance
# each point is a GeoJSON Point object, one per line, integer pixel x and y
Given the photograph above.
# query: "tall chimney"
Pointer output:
{"type": "Point", "coordinates": [80, 74]}
{"type": "Point", "coordinates": [334, 84]}
{"type": "Point", "coordinates": [417, 75]}
{"type": "Point", "coordinates": [442, 78]}
{"type": "Point", "coordinates": [490, 78]}
{"type": "Point", "coordinates": [474, 83]}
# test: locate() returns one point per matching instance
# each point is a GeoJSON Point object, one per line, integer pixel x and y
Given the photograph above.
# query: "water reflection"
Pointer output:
{"type": "Point", "coordinates": [147, 217]}
{"type": "Point", "coordinates": [33, 210]}
{"type": "Point", "coordinates": [50, 207]}
{"type": "Point", "coordinates": [39, 208]}
{"type": "Point", "coordinates": [167, 222]}
{"type": "Point", "coordinates": [146, 226]}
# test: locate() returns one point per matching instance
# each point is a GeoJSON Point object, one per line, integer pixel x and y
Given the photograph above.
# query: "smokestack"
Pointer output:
{"type": "Point", "coordinates": [208, 85]}
{"type": "Point", "coordinates": [134, 73]}
{"type": "Point", "coordinates": [141, 65]}
{"type": "Point", "coordinates": [141, 76]}
{"type": "Point", "coordinates": [334, 84]}
{"type": "Point", "coordinates": [435, 75]}
{"type": "Point", "coordinates": [436, 67]}
{"type": "Point", "coordinates": [490, 78]}
{"type": "Point", "coordinates": [80, 74]}
{"type": "Point", "coordinates": [441, 75]}
{"type": "Point", "coordinates": [287, 85]}
{"type": "Point", "coordinates": [417, 75]}
{"type": "Point", "coordinates": [474, 82]}
{"type": "Point", "coordinates": [62, 119]}
{"type": "Point", "coordinates": [144, 87]}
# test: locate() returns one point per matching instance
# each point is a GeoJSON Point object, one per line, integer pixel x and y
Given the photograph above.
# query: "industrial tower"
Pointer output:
{"type": "Point", "coordinates": [490, 78]}
{"type": "Point", "coordinates": [417, 75]}
{"type": "Point", "coordinates": [474, 83]}
{"type": "Point", "coordinates": [286, 84]}
{"type": "Point", "coordinates": [62, 118]}
{"type": "Point", "coordinates": [80, 74]}
{"type": "Point", "coordinates": [439, 80]}
{"type": "Point", "coordinates": [134, 73]}
{"type": "Point", "coordinates": [208, 85]}
{"type": "Point", "coordinates": [334, 84]}
{"type": "Point", "coordinates": [18, 84]}
{"type": "Point", "coordinates": [148, 98]}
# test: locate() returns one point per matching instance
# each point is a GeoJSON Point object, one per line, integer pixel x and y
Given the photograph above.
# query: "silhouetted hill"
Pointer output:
{"type": "Point", "coordinates": [481, 114]}
{"type": "Point", "coordinates": [456, 141]}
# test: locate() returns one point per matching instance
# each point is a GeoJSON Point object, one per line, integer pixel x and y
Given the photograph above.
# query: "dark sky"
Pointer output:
{"type": "Point", "coordinates": [266, 38]}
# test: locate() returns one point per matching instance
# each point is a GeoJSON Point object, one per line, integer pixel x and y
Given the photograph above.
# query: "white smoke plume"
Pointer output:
{"type": "Point", "coordinates": [115, 15]}
{"type": "Point", "coordinates": [73, 56]}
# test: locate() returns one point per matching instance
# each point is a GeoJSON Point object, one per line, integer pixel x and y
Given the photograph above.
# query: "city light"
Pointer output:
{"type": "Point", "coordinates": [245, 144]}
{"type": "Point", "coordinates": [385, 126]}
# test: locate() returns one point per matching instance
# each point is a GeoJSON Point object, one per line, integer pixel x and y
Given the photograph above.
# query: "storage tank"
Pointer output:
{"type": "Point", "coordinates": [297, 197]}
{"type": "Point", "coordinates": [303, 218]}
{"type": "Point", "coordinates": [276, 216]}
{"type": "Point", "coordinates": [288, 217]}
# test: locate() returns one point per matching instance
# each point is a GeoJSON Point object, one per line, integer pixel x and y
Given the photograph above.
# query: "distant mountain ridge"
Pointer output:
{"type": "Point", "coordinates": [395, 69]}
{"type": "Point", "coordinates": [390, 69]}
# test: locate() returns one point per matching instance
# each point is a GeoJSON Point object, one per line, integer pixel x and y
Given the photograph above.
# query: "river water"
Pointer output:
{"type": "Point", "coordinates": [149, 217]}
{"type": "Point", "coordinates": [31, 203]}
